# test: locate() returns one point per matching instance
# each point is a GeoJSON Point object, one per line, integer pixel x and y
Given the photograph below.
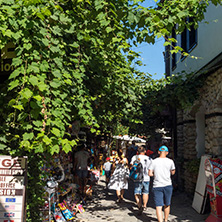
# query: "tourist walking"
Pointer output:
{"type": "Point", "coordinates": [81, 166]}
{"type": "Point", "coordinates": [161, 169]}
{"type": "Point", "coordinates": [119, 178]}
{"type": "Point", "coordinates": [108, 169]}
{"type": "Point", "coordinates": [142, 187]}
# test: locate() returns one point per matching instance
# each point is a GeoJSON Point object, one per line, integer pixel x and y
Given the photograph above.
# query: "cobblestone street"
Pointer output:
{"type": "Point", "coordinates": [104, 208]}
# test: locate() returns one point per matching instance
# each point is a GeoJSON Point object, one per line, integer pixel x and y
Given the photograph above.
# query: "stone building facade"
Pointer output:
{"type": "Point", "coordinates": [199, 131]}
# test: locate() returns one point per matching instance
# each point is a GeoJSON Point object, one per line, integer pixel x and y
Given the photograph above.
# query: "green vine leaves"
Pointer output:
{"type": "Point", "coordinates": [74, 61]}
{"type": "Point", "coordinates": [179, 91]}
{"type": "Point", "coordinates": [68, 66]}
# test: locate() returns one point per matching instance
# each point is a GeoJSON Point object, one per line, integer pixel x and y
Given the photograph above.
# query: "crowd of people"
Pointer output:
{"type": "Point", "coordinates": [160, 167]}
{"type": "Point", "coordinates": [117, 169]}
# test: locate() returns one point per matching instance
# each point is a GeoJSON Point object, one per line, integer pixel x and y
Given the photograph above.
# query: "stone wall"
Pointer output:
{"type": "Point", "coordinates": [186, 138]}
{"type": "Point", "coordinates": [213, 142]}
{"type": "Point", "coordinates": [211, 100]}
{"type": "Point", "coordinates": [180, 149]}
{"type": "Point", "coordinates": [180, 137]}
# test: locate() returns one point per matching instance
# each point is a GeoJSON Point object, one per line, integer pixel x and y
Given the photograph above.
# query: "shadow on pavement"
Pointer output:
{"type": "Point", "coordinates": [104, 200]}
{"type": "Point", "coordinates": [103, 206]}
{"type": "Point", "coordinates": [181, 209]}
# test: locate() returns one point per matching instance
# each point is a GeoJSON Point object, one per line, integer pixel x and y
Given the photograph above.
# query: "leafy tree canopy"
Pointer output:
{"type": "Point", "coordinates": [74, 61]}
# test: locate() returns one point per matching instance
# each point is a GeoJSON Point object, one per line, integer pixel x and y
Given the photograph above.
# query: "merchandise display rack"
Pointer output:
{"type": "Point", "coordinates": [62, 198]}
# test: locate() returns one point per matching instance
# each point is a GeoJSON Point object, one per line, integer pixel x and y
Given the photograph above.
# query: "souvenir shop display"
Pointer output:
{"type": "Point", "coordinates": [95, 175]}
{"type": "Point", "coordinates": [62, 197]}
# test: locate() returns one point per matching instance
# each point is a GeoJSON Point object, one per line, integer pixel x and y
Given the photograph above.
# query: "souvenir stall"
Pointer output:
{"type": "Point", "coordinates": [62, 197]}
{"type": "Point", "coordinates": [100, 149]}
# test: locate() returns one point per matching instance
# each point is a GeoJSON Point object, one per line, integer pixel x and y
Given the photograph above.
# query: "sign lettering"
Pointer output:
{"type": "Point", "coordinates": [11, 163]}
{"type": "Point", "coordinates": [7, 185]}
{"type": "Point", "coordinates": [7, 54]}
{"type": "Point", "coordinates": [2, 179]}
{"type": "Point", "coordinates": [7, 192]}
{"type": "Point", "coordinates": [13, 172]}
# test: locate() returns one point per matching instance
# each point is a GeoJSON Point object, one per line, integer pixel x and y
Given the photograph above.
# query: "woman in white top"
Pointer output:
{"type": "Point", "coordinates": [119, 178]}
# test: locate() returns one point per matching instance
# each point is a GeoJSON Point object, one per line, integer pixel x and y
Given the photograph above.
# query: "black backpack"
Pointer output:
{"type": "Point", "coordinates": [136, 172]}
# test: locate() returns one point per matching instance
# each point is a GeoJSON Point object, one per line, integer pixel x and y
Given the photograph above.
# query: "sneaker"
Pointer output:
{"type": "Point", "coordinates": [140, 211]}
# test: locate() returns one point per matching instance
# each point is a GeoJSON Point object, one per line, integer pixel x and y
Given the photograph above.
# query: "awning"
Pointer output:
{"type": "Point", "coordinates": [130, 138]}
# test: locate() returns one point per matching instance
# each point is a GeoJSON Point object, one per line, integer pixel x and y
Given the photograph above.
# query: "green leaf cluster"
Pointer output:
{"type": "Point", "coordinates": [176, 92]}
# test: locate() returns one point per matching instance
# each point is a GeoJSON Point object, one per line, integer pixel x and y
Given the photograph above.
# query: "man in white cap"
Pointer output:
{"type": "Point", "coordinates": [161, 169]}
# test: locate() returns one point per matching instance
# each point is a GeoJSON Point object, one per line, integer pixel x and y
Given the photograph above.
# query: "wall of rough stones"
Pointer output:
{"type": "Point", "coordinates": [186, 151]}
{"type": "Point", "coordinates": [211, 100]}
{"type": "Point", "coordinates": [180, 149]}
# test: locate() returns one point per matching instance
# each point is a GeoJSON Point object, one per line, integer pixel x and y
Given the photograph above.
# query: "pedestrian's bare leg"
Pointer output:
{"type": "Point", "coordinates": [121, 194]}
{"type": "Point", "coordinates": [166, 212]}
{"type": "Point", "coordinates": [159, 214]}
{"type": "Point", "coordinates": [138, 200]}
{"type": "Point", "coordinates": [118, 193]}
{"type": "Point", "coordinates": [145, 199]}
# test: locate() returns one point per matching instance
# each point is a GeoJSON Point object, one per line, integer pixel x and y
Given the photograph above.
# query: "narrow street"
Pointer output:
{"type": "Point", "coordinates": [104, 208]}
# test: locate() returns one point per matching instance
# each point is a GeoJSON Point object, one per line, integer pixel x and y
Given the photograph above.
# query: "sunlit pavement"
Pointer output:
{"type": "Point", "coordinates": [103, 207]}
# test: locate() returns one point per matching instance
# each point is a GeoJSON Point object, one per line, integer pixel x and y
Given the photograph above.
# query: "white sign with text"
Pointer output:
{"type": "Point", "coordinates": [13, 173]}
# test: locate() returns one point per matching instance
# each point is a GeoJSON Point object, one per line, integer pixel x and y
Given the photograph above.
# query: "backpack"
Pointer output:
{"type": "Point", "coordinates": [136, 172]}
